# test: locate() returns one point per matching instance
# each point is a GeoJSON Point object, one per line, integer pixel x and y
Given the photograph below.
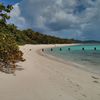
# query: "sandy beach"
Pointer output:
{"type": "Point", "coordinates": [41, 78]}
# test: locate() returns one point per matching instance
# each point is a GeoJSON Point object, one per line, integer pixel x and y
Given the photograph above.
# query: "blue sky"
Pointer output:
{"type": "Point", "coordinates": [79, 19]}
{"type": "Point", "coordinates": [10, 1]}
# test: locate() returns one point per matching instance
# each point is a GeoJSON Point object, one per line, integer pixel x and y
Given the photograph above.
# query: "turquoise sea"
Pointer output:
{"type": "Point", "coordinates": [87, 55]}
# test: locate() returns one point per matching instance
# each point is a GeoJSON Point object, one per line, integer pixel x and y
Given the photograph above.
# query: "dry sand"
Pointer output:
{"type": "Point", "coordinates": [47, 79]}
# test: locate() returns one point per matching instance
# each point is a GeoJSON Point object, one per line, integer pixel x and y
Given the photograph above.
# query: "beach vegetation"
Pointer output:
{"type": "Point", "coordinates": [9, 50]}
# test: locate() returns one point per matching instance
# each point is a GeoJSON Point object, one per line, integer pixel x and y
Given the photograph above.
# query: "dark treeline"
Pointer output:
{"type": "Point", "coordinates": [28, 36]}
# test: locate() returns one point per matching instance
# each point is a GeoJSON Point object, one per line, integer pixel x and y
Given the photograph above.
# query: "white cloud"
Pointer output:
{"type": "Point", "coordinates": [16, 17]}
{"type": "Point", "coordinates": [16, 11]}
{"type": "Point", "coordinates": [77, 17]}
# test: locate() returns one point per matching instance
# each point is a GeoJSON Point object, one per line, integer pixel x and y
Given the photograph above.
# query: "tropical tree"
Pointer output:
{"type": "Point", "coordinates": [4, 10]}
{"type": "Point", "coordinates": [9, 50]}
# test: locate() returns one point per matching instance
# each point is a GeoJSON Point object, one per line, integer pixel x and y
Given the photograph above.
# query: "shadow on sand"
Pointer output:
{"type": "Point", "coordinates": [10, 69]}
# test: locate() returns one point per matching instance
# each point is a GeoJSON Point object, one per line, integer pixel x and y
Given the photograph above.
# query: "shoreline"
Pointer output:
{"type": "Point", "coordinates": [74, 64]}
{"type": "Point", "coordinates": [46, 79]}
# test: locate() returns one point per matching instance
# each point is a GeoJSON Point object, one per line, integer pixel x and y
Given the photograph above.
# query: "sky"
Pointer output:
{"type": "Point", "coordinates": [78, 19]}
{"type": "Point", "coordinates": [6, 2]}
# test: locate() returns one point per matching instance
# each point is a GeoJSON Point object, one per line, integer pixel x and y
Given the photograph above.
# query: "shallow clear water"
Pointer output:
{"type": "Point", "coordinates": [87, 55]}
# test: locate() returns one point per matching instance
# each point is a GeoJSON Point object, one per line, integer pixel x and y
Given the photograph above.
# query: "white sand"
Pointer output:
{"type": "Point", "coordinates": [47, 79]}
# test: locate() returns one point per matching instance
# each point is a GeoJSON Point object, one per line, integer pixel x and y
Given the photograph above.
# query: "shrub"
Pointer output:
{"type": "Point", "coordinates": [9, 50]}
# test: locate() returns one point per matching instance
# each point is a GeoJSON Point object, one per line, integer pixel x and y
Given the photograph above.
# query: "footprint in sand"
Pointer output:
{"type": "Point", "coordinates": [95, 79]}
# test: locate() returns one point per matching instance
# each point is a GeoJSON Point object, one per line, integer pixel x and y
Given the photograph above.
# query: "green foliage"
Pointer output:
{"type": "Point", "coordinates": [39, 38]}
{"type": "Point", "coordinates": [30, 37]}
{"type": "Point", "coordinates": [4, 10]}
{"type": "Point", "coordinates": [9, 50]}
